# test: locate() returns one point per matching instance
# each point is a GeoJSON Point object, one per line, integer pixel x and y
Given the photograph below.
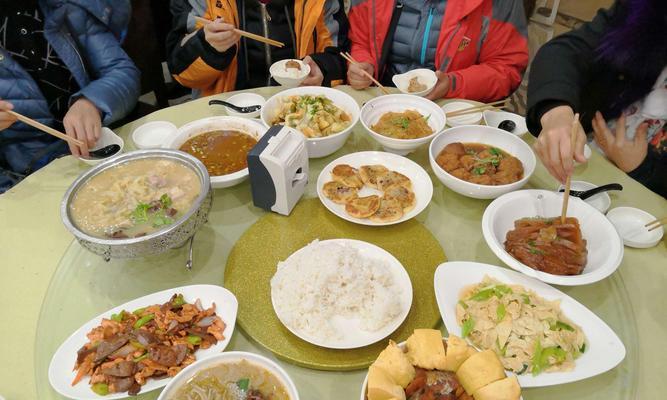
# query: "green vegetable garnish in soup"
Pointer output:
{"type": "Point", "coordinates": [240, 380]}
{"type": "Point", "coordinates": [135, 198]}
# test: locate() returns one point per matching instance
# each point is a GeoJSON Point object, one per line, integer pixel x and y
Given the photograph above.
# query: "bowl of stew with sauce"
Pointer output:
{"type": "Point", "coordinates": [222, 145]}
{"type": "Point", "coordinates": [481, 162]}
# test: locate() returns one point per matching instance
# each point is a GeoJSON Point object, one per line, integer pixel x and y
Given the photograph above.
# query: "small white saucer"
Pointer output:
{"type": "Point", "coordinates": [245, 100]}
{"type": "Point", "coordinates": [494, 118]}
{"type": "Point", "coordinates": [466, 119]}
{"type": "Point", "coordinates": [629, 222]}
{"type": "Point", "coordinates": [153, 135]}
{"type": "Point", "coordinates": [600, 201]}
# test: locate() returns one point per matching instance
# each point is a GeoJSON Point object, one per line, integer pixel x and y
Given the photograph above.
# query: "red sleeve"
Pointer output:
{"type": "Point", "coordinates": [502, 61]}
{"type": "Point", "coordinates": [359, 35]}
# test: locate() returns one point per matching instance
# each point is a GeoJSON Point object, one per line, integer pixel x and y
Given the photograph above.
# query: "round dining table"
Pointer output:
{"type": "Point", "coordinates": [50, 285]}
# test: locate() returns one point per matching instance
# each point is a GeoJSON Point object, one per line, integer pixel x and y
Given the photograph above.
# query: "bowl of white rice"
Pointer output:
{"type": "Point", "coordinates": [341, 293]}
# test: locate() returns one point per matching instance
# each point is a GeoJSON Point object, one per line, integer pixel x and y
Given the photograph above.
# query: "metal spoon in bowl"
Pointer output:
{"type": "Point", "coordinates": [104, 152]}
{"type": "Point", "coordinates": [585, 194]}
{"type": "Point", "coordinates": [244, 110]}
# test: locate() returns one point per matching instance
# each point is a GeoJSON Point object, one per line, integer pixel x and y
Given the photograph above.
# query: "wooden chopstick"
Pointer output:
{"type": "Point", "coordinates": [351, 60]}
{"type": "Point", "coordinates": [656, 224]}
{"type": "Point", "coordinates": [47, 129]}
{"type": "Point", "coordinates": [246, 34]}
{"type": "Point", "coordinates": [566, 195]}
{"type": "Point", "coordinates": [477, 108]}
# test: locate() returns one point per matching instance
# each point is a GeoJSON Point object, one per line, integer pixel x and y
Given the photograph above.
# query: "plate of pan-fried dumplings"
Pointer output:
{"type": "Point", "coordinates": [374, 188]}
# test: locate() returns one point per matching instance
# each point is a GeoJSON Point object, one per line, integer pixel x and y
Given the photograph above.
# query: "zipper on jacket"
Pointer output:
{"type": "Point", "coordinates": [427, 31]}
{"type": "Point", "coordinates": [443, 66]}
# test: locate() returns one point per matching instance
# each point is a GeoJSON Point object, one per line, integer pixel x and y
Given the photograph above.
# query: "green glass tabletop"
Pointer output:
{"type": "Point", "coordinates": [84, 285]}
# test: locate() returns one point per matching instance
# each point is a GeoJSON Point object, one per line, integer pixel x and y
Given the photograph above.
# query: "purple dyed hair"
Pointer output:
{"type": "Point", "coordinates": [636, 45]}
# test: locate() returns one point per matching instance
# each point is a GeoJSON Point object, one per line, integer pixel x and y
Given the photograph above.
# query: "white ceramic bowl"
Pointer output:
{"type": "Point", "coordinates": [229, 357]}
{"type": "Point", "coordinates": [600, 201]}
{"type": "Point", "coordinates": [324, 146]}
{"type": "Point", "coordinates": [107, 137]}
{"type": "Point", "coordinates": [487, 135]}
{"type": "Point", "coordinates": [605, 247]}
{"type": "Point", "coordinates": [245, 100]}
{"type": "Point", "coordinates": [630, 223]}
{"type": "Point", "coordinates": [277, 71]}
{"type": "Point", "coordinates": [250, 126]}
{"type": "Point", "coordinates": [425, 76]}
{"type": "Point", "coordinates": [494, 118]}
{"type": "Point", "coordinates": [374, 109]}
{"type": "Point", "coordinates": [465, 119]}
{"type": "Point", "coordinates": [153, 135]}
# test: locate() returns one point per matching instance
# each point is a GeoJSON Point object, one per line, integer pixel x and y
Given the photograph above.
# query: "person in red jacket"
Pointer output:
{"type": "Point", "coordinates": [478, 48]}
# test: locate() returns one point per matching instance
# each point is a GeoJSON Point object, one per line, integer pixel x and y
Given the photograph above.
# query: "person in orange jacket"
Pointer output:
{"type": "Point", "coordinates": [478, 48]}
{"type": "Point", "coordinates": [214, 58]}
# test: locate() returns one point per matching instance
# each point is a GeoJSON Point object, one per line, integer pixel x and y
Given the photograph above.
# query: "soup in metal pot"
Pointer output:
{"type": "Point", "coordinates": [222, 152]}
{"type": "Point", "coordinates": [240, 380]}
{"type": "Point", "coordinates": [135, 198]}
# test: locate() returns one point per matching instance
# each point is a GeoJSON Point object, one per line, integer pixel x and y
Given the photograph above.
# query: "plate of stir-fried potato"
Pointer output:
{"type": "Point", "coordinates": [139, 346]}
{"type": "Point", "coordinates": [323, 115]}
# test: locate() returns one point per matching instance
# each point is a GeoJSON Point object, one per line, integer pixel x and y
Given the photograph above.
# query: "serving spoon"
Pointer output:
{"type": "Point", "coordinates": [585, 194]}
{"type": "Point", "coordinates": [243, 110]}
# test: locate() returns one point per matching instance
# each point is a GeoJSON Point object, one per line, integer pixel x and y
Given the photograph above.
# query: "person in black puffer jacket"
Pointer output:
{"type": "Point", "coordinates": [613, 72]}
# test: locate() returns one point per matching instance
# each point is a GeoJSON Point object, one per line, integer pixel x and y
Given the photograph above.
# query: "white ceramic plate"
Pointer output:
{"type": "Point", "coordinates": [605, 247]}
{"type": "Point", "coordinates": [600, 201]}
{"type": "Point", "coordinates": [604, 350]}
{"type": "Point", "coordinates": [465, 119]}
{"type": "Point", "coordinates": [421, 183]}
{"type": "Point", "coordinates": [224, 358]}
{"type": "Point", "coordinates": [60, 369]}
{"type": "Point", "coordinates": [355, 336]}
{"type": "Point", "coordinates": [630, 223]}
{"type": "Point", "coordinates": [364, 386]}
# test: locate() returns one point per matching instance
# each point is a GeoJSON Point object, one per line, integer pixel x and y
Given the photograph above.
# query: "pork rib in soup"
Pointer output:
{"type": "Point", "coordinates": [241, 380]}
{"type": "Point", "coordinates": [134, 199]}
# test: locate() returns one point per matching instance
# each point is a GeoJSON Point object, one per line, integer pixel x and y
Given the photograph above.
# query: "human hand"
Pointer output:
{"type": "Point", "coordinates": [83, 121]}
{"type": "Point", "coordinates": [626, 154]}
{"type": "Point", "coordinates": [315, 77]}
{"type": "Point", "coordinates": [355, 76]}
{"type": "Point", "coordinates": [441, 87]}
{"type": "Point", "coordinates": [220, 35]}
{"type": "Point", "coordinates": [6, 119]}
{"type": "Point", "coordinates": [554, 145]}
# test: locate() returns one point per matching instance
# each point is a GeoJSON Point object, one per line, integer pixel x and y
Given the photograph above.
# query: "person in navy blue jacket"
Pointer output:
{"type": "Point", "coordinates": [61, 63]}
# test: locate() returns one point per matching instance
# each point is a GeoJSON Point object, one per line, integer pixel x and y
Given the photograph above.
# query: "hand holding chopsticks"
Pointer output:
{"type": "Point", "coordinates": [47, 129]}
{"type": "Point", "coordinates": [656, 224]}
{"type": "Point", "coordinates": [566, 195]}
{"type": "Point", "coordinates": [348, 57]}
{"type": "Point", "coordinates": [248, 35]}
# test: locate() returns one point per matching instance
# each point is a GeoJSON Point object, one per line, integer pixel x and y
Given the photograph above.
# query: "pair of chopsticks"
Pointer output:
{"type": "Point", "coordinates": [566, 195]}
{"type": "Point", "coordinates": [246, 34]}
{"type": "Point", "coordinates": [48, 129]}
{"type": "Point", "coordinates": [347, 56]}
{"type": "Point", "coordinates": [656, 224]}
{"type": "Point", "coordinates": [476, 109]}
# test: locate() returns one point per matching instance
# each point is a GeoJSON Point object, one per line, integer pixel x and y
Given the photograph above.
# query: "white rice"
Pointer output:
{"type": "Point", "coordinates": [332, 279]}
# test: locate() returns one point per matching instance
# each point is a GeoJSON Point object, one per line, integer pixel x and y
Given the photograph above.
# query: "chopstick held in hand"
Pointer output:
{"type": "Point", "coordinates": [248, 35]}
{"type": "Point", "coordinates": [348, 57]}
{"type": "Point", "coordinates": [566, 194]}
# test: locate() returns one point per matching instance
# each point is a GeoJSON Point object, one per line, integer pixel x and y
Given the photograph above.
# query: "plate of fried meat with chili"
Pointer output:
{"type": "Point", "coordinates": [140, 345]}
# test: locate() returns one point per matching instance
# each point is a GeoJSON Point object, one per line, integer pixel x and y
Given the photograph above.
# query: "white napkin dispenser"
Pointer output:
{"type": "Point", "coordinates": [278, 169]}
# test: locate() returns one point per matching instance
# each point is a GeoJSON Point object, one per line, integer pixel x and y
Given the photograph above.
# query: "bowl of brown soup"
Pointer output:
{"type": "Point", "coordinates": [222, 144]}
